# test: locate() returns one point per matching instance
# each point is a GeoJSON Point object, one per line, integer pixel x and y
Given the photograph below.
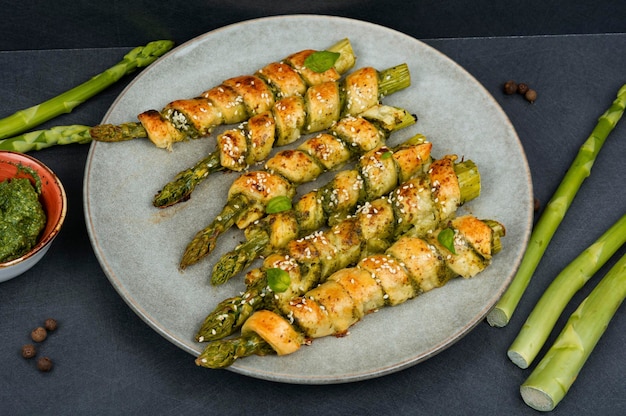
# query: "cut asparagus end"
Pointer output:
{"type": "Point", "coordinates": [347, 58]}
{"type": "Point", "coordinates": [469, 180]}
{"type": "Point", "coordinates": [393, 79]}
{"type": "Point", "coordinates": [389, 118]}
{"type": "Point", "coordinates": [117, 133]}
{"type": "Point", "coordinates": [498, 232]}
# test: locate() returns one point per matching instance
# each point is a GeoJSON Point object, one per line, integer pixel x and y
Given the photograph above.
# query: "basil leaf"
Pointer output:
{"type": "Point", "coordinates": [277, 279]}
{"type": "Point", "coordinates": [278, 204]}
{"type": "Point", "coordinates": [446, 238]}
{"type": "Point", "coordinates": [321, 61]}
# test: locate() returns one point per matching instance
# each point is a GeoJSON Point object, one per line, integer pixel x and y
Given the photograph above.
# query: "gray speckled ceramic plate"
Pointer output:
{"type": "Point", "coordinates": [139, 246]}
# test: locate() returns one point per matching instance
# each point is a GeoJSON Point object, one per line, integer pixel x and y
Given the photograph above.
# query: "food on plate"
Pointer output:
{"type": "Point", "coordinates": [410, 267]}
{"type": "Point", "coordinates": [233, 101]}
{"type": "Point", "coordinates": [416, 207]}
{"type": "Point", "coordinates": [376, 173]}
{"type": "Point", "coordinates": [320, 107]}
{"type": "Point", "coordinates": [250, 193]}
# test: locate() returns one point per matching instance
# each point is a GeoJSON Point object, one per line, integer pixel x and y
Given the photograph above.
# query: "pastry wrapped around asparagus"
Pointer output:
{"type": "Point", "coordinates": [418, 207]}
{"type": "Point", "coordinates": [377, 173]}
{"type": "Point", "coordinates": [250, 193]}
{"type": "Point", "coordinates": [411, 266]}
{"type": "Point", "coordinates": [316, 110]}
{"type": "Point", "coordinates": [233, 101]}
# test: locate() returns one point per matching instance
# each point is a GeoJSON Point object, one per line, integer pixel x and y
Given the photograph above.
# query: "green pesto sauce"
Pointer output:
{"type": "Point", "coordinates": [22, 218]}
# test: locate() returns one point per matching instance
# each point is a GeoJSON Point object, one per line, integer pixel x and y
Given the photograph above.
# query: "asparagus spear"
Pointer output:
{"type": "Point", "coordinates": [233, 101]}
{"type": "Point", "coordinates": [541, 320]}
{"type": "Point", "coordinates": [249, 194]}
{"type": "Point", "coordinates": [40, 139]}
{"type": "Point", "coordinates": [416, 207]}
{"type": "Point", "coordinates": [180, 188]}
{"type": "Point", "coordinates": [550, 381]}
{"type": "Point", "coordinates": [556, 209]}
{"type": "Point", "coordinates": [64, 103]}
{"type": "Point", "coordinates": [411, 266]}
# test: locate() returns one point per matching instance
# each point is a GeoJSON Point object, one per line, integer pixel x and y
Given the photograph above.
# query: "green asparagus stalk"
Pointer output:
{"type": "Point", "coordinates": [185, 182]}
{"type": "Point", "coordinates": [224, 353]}
{"type": "Point", "coordinates": [556, 209]}
{"type": "Point", "coordinates": [40, 139]}
{"type": "Point", "coordinates": [26, 119]}
{"type": "Point", "coordinates": [550, 381]}
{"type": "Point", "coordinates": [572, 278]}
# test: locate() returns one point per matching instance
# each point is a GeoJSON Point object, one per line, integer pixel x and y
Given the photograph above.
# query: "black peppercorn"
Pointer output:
{"type": "Point", "coordinates": [50, 324]}
{"type": "Point", "coordinates": [44, 364]}
{"type": "Point", "coordinates": [530, 96]}
{"type": "Point", "coordinates": [510, 87]}
{"type": "Point", "coordinates": [39, 334]}
{"type": "Point", "coordinates": [522, 88]}
{"type": "Point", "coordinates": [28, 351]}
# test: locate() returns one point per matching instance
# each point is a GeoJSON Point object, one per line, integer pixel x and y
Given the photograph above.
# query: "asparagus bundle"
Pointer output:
{"type": "Point", "coordinates": [411, 266]}
{"type": "Point", "coordinates": [284, 123]}
{"type": "Point", "coordinates": [377, 173]}
{"type": "Point", "coordinates": [233, 101]}
{"type": "Point", "coordinates": [28, 118]}
{"type": "Point", "coordinates": [250, 193]}
{"type": "Point", "coordinates": [417, 207]}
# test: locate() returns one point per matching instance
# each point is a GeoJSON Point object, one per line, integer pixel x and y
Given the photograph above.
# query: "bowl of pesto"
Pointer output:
{"type": "Point", "coordinates": [33, 206]}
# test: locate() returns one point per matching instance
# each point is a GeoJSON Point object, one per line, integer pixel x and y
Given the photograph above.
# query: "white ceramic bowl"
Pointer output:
{"type": "Point", "coordinates": [53, 199]}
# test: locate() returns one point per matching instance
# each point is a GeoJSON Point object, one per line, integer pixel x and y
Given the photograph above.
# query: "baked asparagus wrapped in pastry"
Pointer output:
{"type": "Point", "coordinates": [418, 206]}
{"type": "Point", "coordinates": [411, 266]}
{"type": "Point", "coordinates": [316, 110]}
{"type": "Point", "coordinates": [233, 101]}
{"type": "Point", "coordinates": [377, 173]}
{"type": "Point", "coordinates": [250, 193]}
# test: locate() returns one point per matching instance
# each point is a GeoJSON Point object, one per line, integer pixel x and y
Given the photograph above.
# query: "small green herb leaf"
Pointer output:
{"type": "Point", "coordinates": [277, 279]}
{"type": "Point", "coordinates": [278, 204]}
{"type": "Point", "coordinates": [446, 238]}
{"type": "Point", "coordinates": [386, 155]}
{"type": "Point", "coordinates": [321, 61]}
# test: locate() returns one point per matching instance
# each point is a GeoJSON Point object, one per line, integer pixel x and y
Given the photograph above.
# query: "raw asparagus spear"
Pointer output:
{"type": "Point", "coordinates": [233, 101]}
{"type": "Point", "coordinates": [556, 209]}
{"type": "Point", "coordinates": [290, 117]}
{"type": "Point", "coordinates": [410, 267]}
{"type": "Point", "coordinates": [40, 139]}
{"type": "Point", "coordinates": [417, 207]}
{"type": "Point", "coordinates": [250, 193]}
{"type": "Point", "coordinates": [26, 119]}
{"type": "Point", "coordinates": [377, 173]}
{"type": "Point", "coordinates": [550, 381]}
{"type": "Point", "coordinates": [542, 319]}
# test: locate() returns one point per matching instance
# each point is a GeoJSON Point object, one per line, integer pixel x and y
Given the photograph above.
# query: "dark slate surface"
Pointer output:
{"type": "Point", "coordinates": [108, 361]}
